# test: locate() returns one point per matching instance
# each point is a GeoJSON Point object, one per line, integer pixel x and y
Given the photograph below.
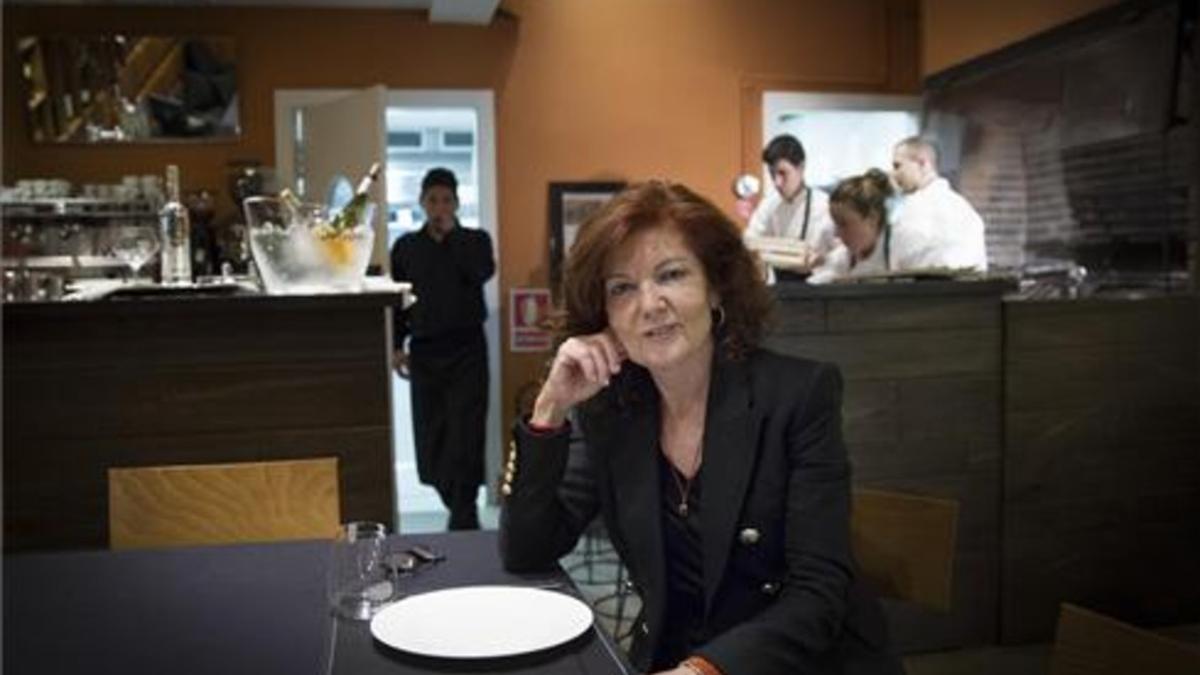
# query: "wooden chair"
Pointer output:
{"type": "Point", "coordinates": [222, 503]}
{"type": "Point", "coordinates": [905, 545]}
{"type": "Point", "coordinates": [1089, 643]}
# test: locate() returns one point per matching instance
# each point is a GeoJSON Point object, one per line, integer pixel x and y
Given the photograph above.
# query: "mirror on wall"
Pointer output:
{"type": "Point", "coordinates": [118, 88]}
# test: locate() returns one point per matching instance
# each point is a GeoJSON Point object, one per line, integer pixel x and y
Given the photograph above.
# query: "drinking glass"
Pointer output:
{"type": "Point", "coordinates": [359, 582]}
{"type": "Point", "coordinates": [134, 245]}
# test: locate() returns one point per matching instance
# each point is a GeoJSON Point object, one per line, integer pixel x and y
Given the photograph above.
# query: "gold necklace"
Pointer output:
{"type": "Point", "coordinates": [685, 484]}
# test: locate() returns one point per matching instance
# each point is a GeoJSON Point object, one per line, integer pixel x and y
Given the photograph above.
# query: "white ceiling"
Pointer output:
{"type": "Point", "coordinates": [440, 11]}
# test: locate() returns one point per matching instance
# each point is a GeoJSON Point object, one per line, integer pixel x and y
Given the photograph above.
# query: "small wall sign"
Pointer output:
{"type": "Point", "coordinates": [528, 316]}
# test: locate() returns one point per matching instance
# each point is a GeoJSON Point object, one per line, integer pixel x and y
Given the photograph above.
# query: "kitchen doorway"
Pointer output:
{"type": "Point", "coordinates": [422, 129]}
{"type": "Point", "coordinates": [454, 129]}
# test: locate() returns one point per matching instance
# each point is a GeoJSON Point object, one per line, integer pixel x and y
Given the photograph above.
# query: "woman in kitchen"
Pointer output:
{"type": "Point", "coordinates": [717, 466]}
{"type": "Point", "coordinates": [870, 245]}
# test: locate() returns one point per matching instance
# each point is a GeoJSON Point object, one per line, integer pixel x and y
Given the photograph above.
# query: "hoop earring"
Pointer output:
{"type": "Point", "coordinates": [718, 316]}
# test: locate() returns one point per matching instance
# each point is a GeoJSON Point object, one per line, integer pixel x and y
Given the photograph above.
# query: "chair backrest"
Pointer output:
{"type": "Point", "coordinates": [905, 545]}
{"type": "Point", "coordinates": [1089, 643]}
{"type": "Point", "coordinates": [187, 505]}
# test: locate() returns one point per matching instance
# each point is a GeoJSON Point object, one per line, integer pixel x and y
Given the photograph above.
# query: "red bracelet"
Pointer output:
{"type": "Point", "coordinates": [700, 666]}
{"type": "Point", "coordinates": [545, 428]}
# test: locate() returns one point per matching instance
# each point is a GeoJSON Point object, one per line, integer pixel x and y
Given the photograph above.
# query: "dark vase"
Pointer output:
{"type": "Point", "coordinates": [245, 180]}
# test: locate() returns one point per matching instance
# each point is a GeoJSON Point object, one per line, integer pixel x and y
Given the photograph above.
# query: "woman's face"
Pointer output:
{"type": "Point", "coordinates": [857, 231]}
{"type": "Point", "coordinates": [658, 300]}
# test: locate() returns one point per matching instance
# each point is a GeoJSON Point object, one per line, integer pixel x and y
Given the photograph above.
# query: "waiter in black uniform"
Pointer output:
{"type": "Point", "coordinates": [446, 353]}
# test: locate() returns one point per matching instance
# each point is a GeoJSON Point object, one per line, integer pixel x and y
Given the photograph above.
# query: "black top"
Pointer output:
{"type": "Point", "coordinates": [447, 278]}
{"type": "Point", "coordinates": [682, 544]}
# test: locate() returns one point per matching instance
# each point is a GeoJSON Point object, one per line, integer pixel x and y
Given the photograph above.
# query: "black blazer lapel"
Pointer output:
{"type": "Point", "coordinates": [730, 452]}
{"type": "Point", "coordinates": [628, 437]}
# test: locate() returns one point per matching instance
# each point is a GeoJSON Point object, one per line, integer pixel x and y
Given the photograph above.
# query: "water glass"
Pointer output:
{"type": "Point", "coordinates": [359, 582]}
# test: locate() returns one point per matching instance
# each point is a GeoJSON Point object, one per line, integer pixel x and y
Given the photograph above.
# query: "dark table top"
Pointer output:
{"type": "Point", "coordinates": [241, 609]}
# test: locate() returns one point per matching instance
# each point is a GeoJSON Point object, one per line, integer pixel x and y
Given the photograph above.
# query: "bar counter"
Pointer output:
{"type": "Point", "coordinates": [1068, 430]}
{"type": "Point", "coordinates": [196, 378]}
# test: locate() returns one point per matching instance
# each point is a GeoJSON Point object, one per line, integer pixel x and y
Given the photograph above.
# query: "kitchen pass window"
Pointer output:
{"type": "Point", "coordinates": [843, 134]}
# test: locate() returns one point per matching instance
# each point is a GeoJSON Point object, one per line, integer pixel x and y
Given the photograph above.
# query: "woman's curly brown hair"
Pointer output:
{"type": "Point", "coordinates": [729, 267]}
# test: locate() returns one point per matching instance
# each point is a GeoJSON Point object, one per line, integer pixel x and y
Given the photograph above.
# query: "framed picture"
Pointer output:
{"type": "Point", "coordinates": [570, 205]}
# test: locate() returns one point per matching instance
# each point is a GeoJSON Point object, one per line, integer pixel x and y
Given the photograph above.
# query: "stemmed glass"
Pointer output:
{"type": "Point", "coordinates": [134, 245]}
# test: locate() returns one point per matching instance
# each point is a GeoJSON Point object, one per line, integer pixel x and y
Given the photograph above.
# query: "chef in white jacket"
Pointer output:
{"type": "Point", "coordinates": [793, 210]}
{"type": "Point", "coordinates": [869, 243]}
{"type": "Point", "coordinates": [931, 210]}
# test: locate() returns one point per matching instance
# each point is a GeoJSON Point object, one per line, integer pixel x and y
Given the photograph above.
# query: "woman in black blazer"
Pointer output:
{"type": "Point", "coordinates": [718, 467]}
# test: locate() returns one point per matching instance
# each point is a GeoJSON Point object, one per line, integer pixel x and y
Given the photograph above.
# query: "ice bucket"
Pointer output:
{"type": "Point", "coordinates": [300, 249]}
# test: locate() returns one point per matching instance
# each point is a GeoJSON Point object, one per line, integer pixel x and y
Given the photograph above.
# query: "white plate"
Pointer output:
{"type": "Point", "coordinates": [476, 622]}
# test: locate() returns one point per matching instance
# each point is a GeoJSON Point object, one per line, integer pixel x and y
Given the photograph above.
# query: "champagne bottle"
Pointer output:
{"type": "Point", "coordinates": [175, 232]}
{"type": "Point", "coordinates": [290, 203]}
{"type": "Point", "coordinates": [352, 212]}
{"type": "Point", "coordinates": [289, 198]}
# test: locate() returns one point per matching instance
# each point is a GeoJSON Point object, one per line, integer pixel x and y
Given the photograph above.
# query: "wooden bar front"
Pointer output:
{"type": "Point", "coordinates": [159, 381]}
{"type": "Point", "coordinates": [921, 412]}
{"type": "Point", "coordinates": [1068, 430]}
{"type": "Point", "coordinates": [1102, 462]}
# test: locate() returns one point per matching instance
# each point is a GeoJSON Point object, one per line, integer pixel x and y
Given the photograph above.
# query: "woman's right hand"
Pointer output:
{"type": "Point", "coordinates": [582, 366]}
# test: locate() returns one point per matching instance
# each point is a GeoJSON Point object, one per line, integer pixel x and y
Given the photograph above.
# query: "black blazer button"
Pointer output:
{"type": "Point", "coordinates": [749, 536]}
{"type": "Point", "coordinates": [645, 628]}
{"type": "Point", "coordinates": [770, 588]}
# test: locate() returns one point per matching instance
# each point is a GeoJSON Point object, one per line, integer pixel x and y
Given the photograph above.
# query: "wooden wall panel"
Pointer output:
{"type": "Point", "coordinates": [179, 382]}
{"type": "Point", "coordinates": [921, 414]}
{"type": "Point", "coordinates": [902, 354]}
{"type": "Point", "coordinates": [196, 333]}
{"type": "Point", "coordinates": [911, 314]}
{"type": "Point", "coordinates": [217, 399]}
{"type": "Point", "coordinates": [1101, 469]}
{"type": "Point", "coordinates": [802, 316]}
{"type": "Point", "coordinates": [1069, 430]}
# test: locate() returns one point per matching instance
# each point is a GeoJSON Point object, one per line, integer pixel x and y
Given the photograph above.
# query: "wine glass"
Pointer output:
{"type": "Point", "coordinates": [134, 245]}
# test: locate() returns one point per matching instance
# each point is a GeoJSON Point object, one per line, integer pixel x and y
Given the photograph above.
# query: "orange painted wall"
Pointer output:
{"type": "Point", "coordinates": [586, 89]}
{"type": "Point", "coordinates": [953, 31]}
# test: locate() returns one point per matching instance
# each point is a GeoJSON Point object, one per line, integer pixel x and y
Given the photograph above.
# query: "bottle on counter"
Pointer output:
{"type": "Point", "coordinates": [352, 212]}
{"type": "Point", "coordinates": [199, 204]}
{"type": "Point", "coordinates": [290, 202]}
{"type": "Point", "coordinates": [175, 231]}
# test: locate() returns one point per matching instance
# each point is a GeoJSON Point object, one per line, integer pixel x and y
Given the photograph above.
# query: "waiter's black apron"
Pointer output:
{"type": "Point", "coordinates": [449, 378]}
